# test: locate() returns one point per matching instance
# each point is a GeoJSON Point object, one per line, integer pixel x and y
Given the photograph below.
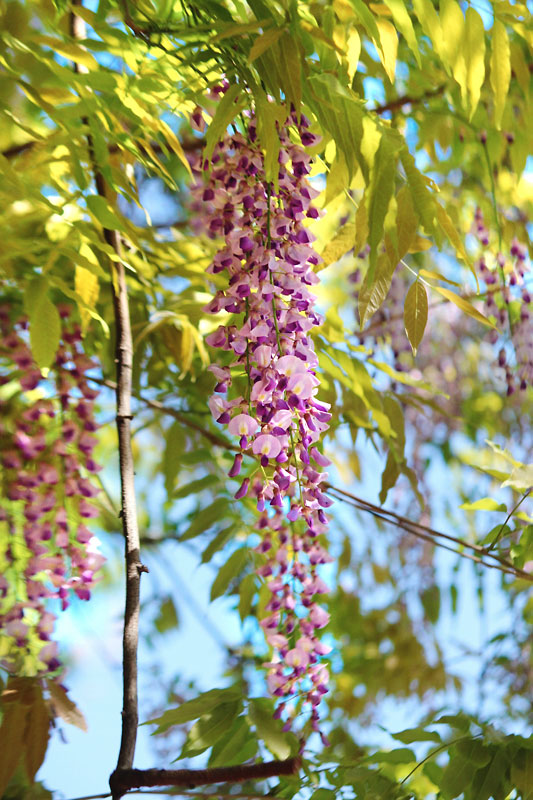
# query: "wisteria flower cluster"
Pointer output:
{"type": "Point", "coordinates": [47, 468]}
{"type": "Point", "coordinates": [505, 279]}
{"type": "Point", "coordinates": [268, 260]}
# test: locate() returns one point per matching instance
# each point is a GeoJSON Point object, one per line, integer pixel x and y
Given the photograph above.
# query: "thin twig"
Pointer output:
{"type": "Point", "coordinates": [124, 359]}
{"type": "Point", "coordinates": [508, 517]}
{"type": "Point", "coordinates": [430, 534]}
{"type": "Point", "coordinates": [415, 528]}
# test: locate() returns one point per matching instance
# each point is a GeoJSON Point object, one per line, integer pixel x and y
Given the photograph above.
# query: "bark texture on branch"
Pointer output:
{"type": "Point", "coordinates": [122, 780]}
{"type": "Point", "coordinates": [124, 360]}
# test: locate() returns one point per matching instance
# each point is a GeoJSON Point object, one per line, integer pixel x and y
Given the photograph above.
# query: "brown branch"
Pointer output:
{"type": "Point", "coordinates": [430, 534]}
{"type": "Point", "coordinates": [409, 100]}
{"type": "Point", "coordinates": [415, 528]}
{"type": "Point", "coordinates": [124, 779]}
{"type": "Point", "coordinates": [123, 358]}
{"type": "Point", "coordinates": [189, 144]}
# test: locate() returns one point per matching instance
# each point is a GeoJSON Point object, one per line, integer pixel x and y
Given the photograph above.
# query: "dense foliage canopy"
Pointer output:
{"type": "Point", "coordinates": [273, 238]}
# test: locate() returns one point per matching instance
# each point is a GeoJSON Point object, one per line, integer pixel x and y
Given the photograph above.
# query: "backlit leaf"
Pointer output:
{"type": "Point", "coordinates": [63, 706]}
{"type": "Point", "coordinates": [45, 323]}
{"type": "Point", "coordinates": [264, 41]}
{"type": "Point", "coordinates": [269, 729]}
{"type": "Point", "coordinates": [402, 20]}
{"type": "Point", "coordinates": [464, 305]}
{"type": "Point", "coordinates": [342, 243]}
{"type": "Point", "coordinates": [227, 110]}
{"type": "Point", "coordinates": [389, 47]}
{"type": "Point", "coordinates": [192, 709]}
{"type": "Point", "coordinates": [474, 54]}
{"type": "Point", "coordinates": [415, 314]}
{"type": "Point", "coordinates": [500, 69]}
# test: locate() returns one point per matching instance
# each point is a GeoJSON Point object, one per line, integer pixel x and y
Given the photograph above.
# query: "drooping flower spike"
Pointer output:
{"type": "Point", "coordinates": [268, 260]}
{"type": "Point", "coordinates": [46, 468]}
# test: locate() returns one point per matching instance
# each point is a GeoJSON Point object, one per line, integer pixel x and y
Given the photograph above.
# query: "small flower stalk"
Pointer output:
{"type": "Point", "coordinates": [47, 552]}
{"type": "Point", "coordinates": [266, 395]}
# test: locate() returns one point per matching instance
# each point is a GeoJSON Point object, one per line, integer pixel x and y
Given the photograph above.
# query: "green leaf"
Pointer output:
{"type": "Point", "coordinates": [429, 19]}
{"type": "Point", "coordinates": [403, 755]}
{"type": "Point", "coordinates": [264, 41]}
{"type": "Point", "coordinates": [485, 504]}
{"type": "Point", "coordinates": [341, 113]}
{"type": "Point", "coordinates": [415, 314]}
{"type": "Point", "coordinates": [104, 213]}
{"type": "Point", "coordinates": [210, 729]}
{"type": "Point", "coordinates": [205, 518]}
{"type": "Point", "coordinates": [522, 773]}
{"type": "Point", "coordinates": [217, 543]}
{"type": "Point", "coordinates": [227, 110]}
{"type": "Point", "coordinates": [45, 323]}
{"type": "Point", "coordinates": [464, 305]}
{"type": "Point", "coordinates": [193, 709]}
{"type": "Point", "coordinates": [231, 569]}
{"type": "Point", "coordinates": [500, 69]}
{"type": "Point", "coordinates": [521, 478]}
{"type": "Point", "coordinates": [379, 194]}
{"type": "Point", "coordinates": [411, 735]}
{"type": "Point", "coordinates": [269, 730]}
{"type": "Point", "coordinates": [490, 781]}
{"type": "Point", "coordinates": [238, 745]}
{"type": "Point", "coordinates": [195, 486]}
{"type": "Point", "coordinates": [247, 591]}
{"type": "Point", "coordinates": [473, 47]}
{"type": "Point", "coordinates": [402, 20]}
{"type": "Point", "coordinates": [175, 439]}
{"type": "Point", "coordinates": [373, 293]}
{"type": "Point", "coordinates": [167, 617]}
{"type": "Point", "coordinates": [430, 598]}
{"type": "Point", "coordinates": [336, 248]}
{"type": "Point", "coordinates": [367, 18]}
{"type": "Point", "coordinates": [456, 777]}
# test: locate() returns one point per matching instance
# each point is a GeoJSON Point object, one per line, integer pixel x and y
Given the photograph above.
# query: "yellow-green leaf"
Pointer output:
{"type": "Point", "coordinates": [474, 54]}
{"type": "Point", "coordinates": [389, 47]}
{"type": "Point", "coordinates": [87, 286]}
{"type": "Point", "coordinates": [485, 504]}
{"type": "Point", "coordinates": [45, 324]}
{"type": "Point", "coordinates": [500, 69]}
{"type": "Point", "coordinates": [452, 22]}
{"type": "Point", "coordinates": [62, 706]}
{"type": "Point", "coordinates": [402, 20]}
{"type": "Point", "coordinates": [429, 19]}
{"type": "Point", "coordinates": [227, 110]}
{"type": "Point", "coordinates": [12, 730]}
{"type": "Point", "coordinates": [264, 41]}
{"type": "Point", "coordinates": [290, 70]}
{"type": "Point", "coordinates": [455, 239]}
{"type": "Point", "coordinates": [464, 305]}
{"type": "Point", "coordinates": [342, 242]}
{"type": "Point", "coordinates": [36, 734]}
{"type": "Point", "coordinates": [373, 294]}
{"type": "Point", "coordinates": [104, 213]}
{"type": "Point", "coordinates": [406, 221]}
{"type": "Point", "coordinates": [415, 314]}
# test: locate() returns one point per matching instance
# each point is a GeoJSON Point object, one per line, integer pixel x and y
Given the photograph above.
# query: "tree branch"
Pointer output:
{"type": "Point", "coordinates": [124, 779]}
{"type": "Point", "coordinates": [123, 358]}
{"type": "Point", "coordinates": [409, 525]}
{"type": "Point", "coordinates": [408, 100]}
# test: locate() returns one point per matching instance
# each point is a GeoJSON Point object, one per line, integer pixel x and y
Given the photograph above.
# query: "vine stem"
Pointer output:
{"type": "Point", "coordinates": [128, 513]}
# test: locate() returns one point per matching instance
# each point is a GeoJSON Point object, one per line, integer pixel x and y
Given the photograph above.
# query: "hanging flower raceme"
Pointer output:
{"type": "Point", "coordinates": [47, 468]}
{"type": "Point", "coordinates": [509, 302]}
{"type": "Point", "coordinates": [268, 261]}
